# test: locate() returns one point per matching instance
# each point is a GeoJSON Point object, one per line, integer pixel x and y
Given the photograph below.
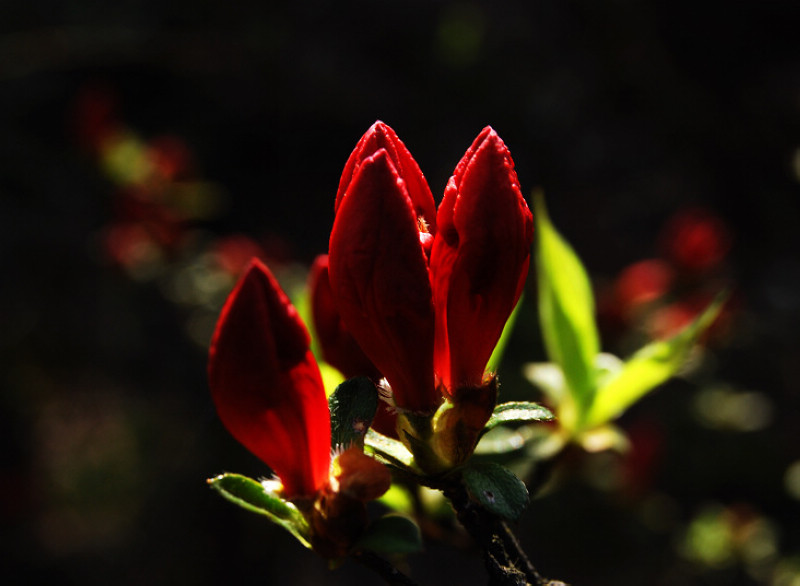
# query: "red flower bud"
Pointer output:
{"type": "Point", "coordinates": [339, 348]}
{"type": "Point", "coordinates": [380, 136]}
{"type": "Point", "coordinates": [379, 272]}
{"type": "Point", "coordinates": [266, 384]}
{"type": "Point", "coordinates": [479, 260]}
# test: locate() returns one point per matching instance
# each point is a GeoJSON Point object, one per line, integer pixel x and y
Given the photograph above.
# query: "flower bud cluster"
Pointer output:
{"type": "Point", "coordinates": [409, 295]}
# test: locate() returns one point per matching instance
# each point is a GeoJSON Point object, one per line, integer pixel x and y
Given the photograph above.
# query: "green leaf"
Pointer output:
{"type": "Point", "coordinates": [352, 406]}
{"type": "Point", "coordinates": [499, 349]}
{"type": "Point", "coordinates": [501, 441]}
{"type": "Point", "coordinates": [602, 438]}
{"type": "Point", "coordinates": [497, 489]}
{"type": "Point", "coordinates": [518, 411]}
{"type": "Point", "coordinates": [398, 498]}
{"type": "Point", "coordinates": [390, 450]}
{"type": "Point", "coordinates": [331, 377]}
{"type": "Point", "coordinates": [255, 496]}
{"type": "Point", "coordinates": [548, 378]}
{"type": "Point", "coordinates": [391, 534]}
{"type": "Point", "coordinates": [649, 367]}
{"type": "Point", "coordinates": [566, 309]}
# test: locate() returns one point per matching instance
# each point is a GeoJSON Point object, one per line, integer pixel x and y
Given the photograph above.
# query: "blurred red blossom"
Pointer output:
{"type": "Point", "coordinates": [661, 295]}
{"type": "Point", "coordinates": [695, 239]}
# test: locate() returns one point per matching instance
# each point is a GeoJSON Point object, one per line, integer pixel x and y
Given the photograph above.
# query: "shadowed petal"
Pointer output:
{"type": "Point", "coordinates": [339, 348]}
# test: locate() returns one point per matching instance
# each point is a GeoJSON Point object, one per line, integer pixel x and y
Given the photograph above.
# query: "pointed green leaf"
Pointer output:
{"type": "Point", "coordinates": [254, 496]}
{"type": "Point", "coordinates": [497, 489]}
{"type": "Point", "coordinates": [518, 411]}
{"type": "Point", "coordinates": [352, 406]}
{"type": "Point", "coordinates": [390, 450]}
{"type": "Point", "coordinates": [497, 353]}
{"type": "Point", "coordinates": [566, 308]}
{"type": "Point", "coordinates": [548, 378]}
{"type": "Point", "coordinates": [391, 534]}
{"type": "Point", "coordinates": [649, 367]}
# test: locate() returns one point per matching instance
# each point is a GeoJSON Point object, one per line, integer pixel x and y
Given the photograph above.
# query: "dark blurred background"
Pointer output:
{"type": "Point", "coordinates": [147, 149]}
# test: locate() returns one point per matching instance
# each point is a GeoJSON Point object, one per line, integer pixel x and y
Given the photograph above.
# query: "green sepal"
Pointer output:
{"type": "Point", "coordinates": [518, 412]}
{"type": "Point", "coordinates": [566, 309]}
{"type": "Point", "coordinates": [496, 489]}
{"type": "Point", "coordinates": [391, 534]}
{"type": "Point", "coordinates": [389, 450]}
{"type": "Point", "coordinates": [352, 405]}
{"type": "Point", "coordinates": [651, 366]}
{"type": "Point", "coordinates": [254, 496]}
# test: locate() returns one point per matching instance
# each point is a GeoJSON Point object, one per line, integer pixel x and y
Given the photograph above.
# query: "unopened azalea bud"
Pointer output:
{"type": "Point", "coordinates": [380, 136]}
{"type": "Point", "coordinates": [379, 278]}
{"type": "Point", "coordinates": [479, 260]}
{"type": "Point", "coordinates": [266, 384]}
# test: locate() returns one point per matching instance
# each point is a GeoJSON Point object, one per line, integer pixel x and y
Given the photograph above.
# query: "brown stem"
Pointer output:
{"type": "Point", "coordinates": [504, 558]}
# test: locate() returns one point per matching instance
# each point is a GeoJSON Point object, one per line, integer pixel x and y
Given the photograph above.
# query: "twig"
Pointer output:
{"type": "Point", "coordinates": [506, 562]}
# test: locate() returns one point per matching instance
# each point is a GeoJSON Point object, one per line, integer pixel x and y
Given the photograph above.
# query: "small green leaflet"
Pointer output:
{"type": "Point", "coordinates": [253, 496]}
{"type": "Point", "coordinates": [518, 411]}
{"type": "Point", "coordinates": [651, 366]}
{"type": "Point", "coordinates": [497, 489]}
{"type": "Point", "coordinates": [566, 308]}
{"type": "Point", "coordinates": [389, 450]}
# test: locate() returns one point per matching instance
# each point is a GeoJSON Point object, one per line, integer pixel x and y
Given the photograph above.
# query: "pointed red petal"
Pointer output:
{"type": "Point", "coordinates": [266, 385]}
{"type": "Point", "coordinates": [479, 260]}
{"type": "Point", "coordinates": [379, 278]}
{"type": "Point", "coordinates": [381, 136]}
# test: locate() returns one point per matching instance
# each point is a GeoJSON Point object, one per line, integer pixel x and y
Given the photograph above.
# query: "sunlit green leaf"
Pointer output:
{"type": "Point", "coordinates": [391, 534]}
{"type": "Point", "coordinates": [497, 355]}
{"type": "Point", "coordinates": [331, 377]}
{"type": "Point", "coordinates": [649, 367]}
{"type": "Point", "coordinates": [254, 496]}
{"type": "Point", "coordinates": [352, 406]}
{"type": "Point", "coordinates": [500, 441]}
{"type": "Point", "coordinates": [518, 411]}
{"type": "Point", "coordinates": [548, 378]}
{"type": "Point", "coordinates": [605, 437]}
{"type": "Point", "coordinates": [566, 308]}
{"type": "Point", "coordinates": [388, 449]}
{"type": "Point", "coordinates": [398, 498]}
{"type": "Point", "coordinates": [497, 489]}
